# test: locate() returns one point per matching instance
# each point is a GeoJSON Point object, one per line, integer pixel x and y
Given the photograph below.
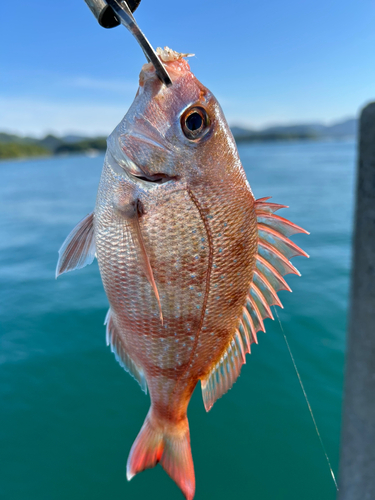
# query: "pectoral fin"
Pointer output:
{"type": "Point", "coordinates": [78, 250]}
{"type": "Point", "coordinates": [131, 209]}
{"type": "Point", "coordinates": [146, 264]}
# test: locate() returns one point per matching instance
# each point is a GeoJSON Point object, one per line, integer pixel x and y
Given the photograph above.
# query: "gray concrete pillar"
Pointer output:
{"type": "Point", "coordinates": [357, 464]}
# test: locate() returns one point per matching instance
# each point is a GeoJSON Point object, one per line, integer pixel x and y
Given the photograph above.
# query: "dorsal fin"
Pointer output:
{"type": "Point", "coordinates": [225, 372]}
{"type": "Point", "coordinates": [272, 263]}
{"type": "Point", "coordinates": [114, 340]}
{"type": "Point", "coordinates": [78, 249]}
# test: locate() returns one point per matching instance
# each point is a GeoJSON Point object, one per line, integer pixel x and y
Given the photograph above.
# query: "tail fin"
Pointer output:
{"type": "Point", "coordinates": [168, 445]}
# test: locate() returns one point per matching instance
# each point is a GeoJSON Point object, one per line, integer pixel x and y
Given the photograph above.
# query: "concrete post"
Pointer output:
{"type": "Point", "coordinates": [357, 465]}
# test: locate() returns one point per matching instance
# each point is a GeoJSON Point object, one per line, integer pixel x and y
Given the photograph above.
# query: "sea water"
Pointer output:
{"type": "Point", "coordinates": [69, 413]}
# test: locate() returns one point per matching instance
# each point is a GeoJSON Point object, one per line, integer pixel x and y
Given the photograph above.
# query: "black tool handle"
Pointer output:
{"type": "Point", "coordinates": [104, 13]}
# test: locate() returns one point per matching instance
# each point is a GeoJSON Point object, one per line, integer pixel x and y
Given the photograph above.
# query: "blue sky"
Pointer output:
{"type": "Point", "coordinates": [267, 62]}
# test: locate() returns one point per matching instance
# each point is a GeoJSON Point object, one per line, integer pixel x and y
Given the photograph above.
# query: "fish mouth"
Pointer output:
{"type": "Point", "coordinates": [136, 173]}
{"type": "Point", "coordinates": [125, 156]}
{"type": "Point", "coordinates": [153, 179]}
{"type": "Point", "coordinates": [121, 164]}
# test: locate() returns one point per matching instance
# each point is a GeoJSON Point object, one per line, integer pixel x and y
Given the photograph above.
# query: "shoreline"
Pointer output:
{"type": "Point", "coordinates": [90, 153]}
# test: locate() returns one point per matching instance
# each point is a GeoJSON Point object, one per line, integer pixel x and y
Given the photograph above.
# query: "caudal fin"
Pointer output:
{"type": "Point", "coordinates": [168, 445]}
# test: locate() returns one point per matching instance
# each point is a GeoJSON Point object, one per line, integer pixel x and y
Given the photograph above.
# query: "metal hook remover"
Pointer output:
{"type": "Point", "coordinates": [111, 13]}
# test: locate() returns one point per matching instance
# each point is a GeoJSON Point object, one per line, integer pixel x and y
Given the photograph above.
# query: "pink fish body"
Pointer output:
{"type": "Point", "coordinates": [190, 261]}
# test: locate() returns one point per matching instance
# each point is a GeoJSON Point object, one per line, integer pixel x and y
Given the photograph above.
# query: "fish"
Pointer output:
{"type": "Point", "coordinates": [190, 261]}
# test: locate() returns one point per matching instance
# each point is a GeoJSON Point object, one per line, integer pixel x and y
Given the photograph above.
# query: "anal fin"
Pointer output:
{"type": "Point", "coordinates": [78, 249]}
{"type": "Point", "coordinates": [114, 340]}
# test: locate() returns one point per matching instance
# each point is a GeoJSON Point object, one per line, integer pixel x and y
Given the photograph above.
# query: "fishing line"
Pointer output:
{"type": "Point", "coordinates": [307, 401]}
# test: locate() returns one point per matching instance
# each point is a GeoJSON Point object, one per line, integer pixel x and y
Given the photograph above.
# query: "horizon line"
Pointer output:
{"type": "Point", "coordinates": [233, 124]}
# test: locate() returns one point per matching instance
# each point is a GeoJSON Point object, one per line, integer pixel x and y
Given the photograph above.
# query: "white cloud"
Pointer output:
{"type": "Point", "coordinates": [52, 102]}
{"type": "Point", "coordinates": [40, 115]}
{"type": "Point", "coordinates": [54, 81]}
{"type": "Point", "coordinates": [36, 117]}
{"type": "Point", "coordinates": [90, 83]}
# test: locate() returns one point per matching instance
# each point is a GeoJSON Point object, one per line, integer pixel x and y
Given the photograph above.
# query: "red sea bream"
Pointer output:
{"type": "Point", "coordinates": [190, 261]}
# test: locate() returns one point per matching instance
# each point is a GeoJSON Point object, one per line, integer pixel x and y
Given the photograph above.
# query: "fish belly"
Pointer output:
{"type": "Point", "coordinates": [202, 264]}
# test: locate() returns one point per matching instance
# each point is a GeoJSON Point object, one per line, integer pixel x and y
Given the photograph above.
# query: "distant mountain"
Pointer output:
{"type": "Point", "coordinates": [71, 139]}
{"type": "Point", "coordinates": [51, 142]}
{"type": "Point", "coordinates": [83, 146]}
{"type": "Point", "coordinates": [241, 131]}
{"type": "Point", "coordinates": [12, 146]}
{"type": "Point", "coordinates": [309, 130]}
{"type": "Point", "coordinates": [16, 139]}
{"type": "Point", "coordinates": [274, 134]}
{"type": "Point", "coordinates": [345, 128]}
{"type": "Point", "coordinates": [14, 150]}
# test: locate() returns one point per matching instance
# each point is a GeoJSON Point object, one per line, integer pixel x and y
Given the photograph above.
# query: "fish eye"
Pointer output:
{"type": "Point", "coordinates": [195, 123]}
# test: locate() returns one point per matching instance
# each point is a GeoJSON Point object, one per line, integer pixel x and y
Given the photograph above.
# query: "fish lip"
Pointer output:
{"type": "Point", "coordinates": [133, 172]}
{"type": "Point", "coordinates": [154, 179]}
{"type": "Point", "coordinates": [123, 164]}
{"type": "Point", "coordinates": [121, 159]}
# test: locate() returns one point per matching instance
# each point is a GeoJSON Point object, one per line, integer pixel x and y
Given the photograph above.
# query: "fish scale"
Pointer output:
{"type": "Point", "coordinates": [230, 277]}
{"type": "Point", "coordinates": [191, 263]}
{"type": "Point", "coordinates": [135, 291]}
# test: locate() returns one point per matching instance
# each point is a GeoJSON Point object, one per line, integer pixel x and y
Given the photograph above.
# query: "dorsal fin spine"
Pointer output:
{"type": "Point", "coordinates": [261, 298]}
{"type": "Point", "coordinates": [274, 271]}
{"type": "Point", "coordinates": [268, 207]}
{"type": "Point", "coordinates": [240, 346]}
{"type": "Point", "coordinates": [244, 336]}
{"type": "Point", "coordinates": [248, 322]}
{"type": "Point", "coordinates": [253, 306]}
{"type": "Point", "coordinates": [280, 256]}
{"type": "Point", "coordinates": [287, 241]}
{"type": "Point", "coordinates": [272, 261]}
{"type": "Point", "coordinates": [273, 219]}
{"type": "Point", "coordinates": [237, 352]}
{"type": "Point", "coordinates": [270, 288]}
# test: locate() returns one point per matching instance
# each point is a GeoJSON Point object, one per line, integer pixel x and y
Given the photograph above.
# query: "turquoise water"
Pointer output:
{"type": "Point", "coordinates": [69, 413]}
